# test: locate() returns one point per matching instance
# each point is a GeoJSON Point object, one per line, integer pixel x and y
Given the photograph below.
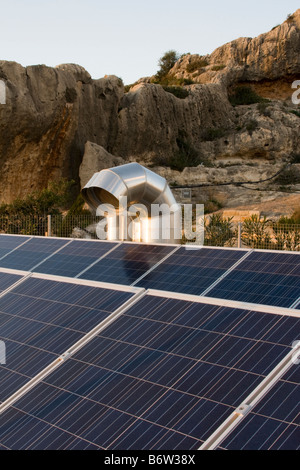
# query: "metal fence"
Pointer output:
{"type": "Point", "coordinates": [218, 232]}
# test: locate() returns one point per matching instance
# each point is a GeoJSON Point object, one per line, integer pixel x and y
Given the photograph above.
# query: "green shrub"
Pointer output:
{"type": "Point", "coordinates": [166, 62]}
{"type": "Point", "coordinates": [196, 65]}
{"type": "Point", "coordinates": [290, 18]}
{"type": "Point", "coordinates": [177, 91]}
{"type": "Point", "coordinates": [263, 109]}
{"type": "Point", "coordinates": [216, 68]}
{"type": "Point", "coordinates": [127, 87]}
{"type": "Point", "coordinates": [171, 80]}
{"type": "Point", "coordinates": [47, 201]}
{"type": "Point", "coordinates": [185, 156]}
{"type": "Point", "coordinates": [244, 95]}
{"type": "Point", "coordinates": [251, 126]}
{"type": "Point", "coordinates": [255, 232]}
{"type": "Point", "coordinates": [287, 233]}
{"type": "Point", "coordinates": [218, 230]}
{"type": "Point", "coordinates": [297, 113]}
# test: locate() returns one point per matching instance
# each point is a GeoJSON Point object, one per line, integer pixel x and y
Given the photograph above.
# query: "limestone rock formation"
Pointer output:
{"type": "Point", "coordinates": [95, 159]}
{"type": "Point", "coordinates": [59, 122]}
{"type": "Point", "coordinates": [151, 120]}
{"type": "Point", "coordinates": [49, 115]}
{"type": "Point", "coordinates": [268, 57]}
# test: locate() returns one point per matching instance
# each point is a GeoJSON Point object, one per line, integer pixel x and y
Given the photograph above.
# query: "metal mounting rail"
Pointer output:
{"type": "Point", "coordinates": [17, 247]}
{"type": "Point", "coordinates": [72, 350]}
{"type": "Point", "coordinates": [26, 275]}
{"type": "Point", "coordinates": [295, 304]}
{"type": "Point", "coordinates": [226, 273]}
{"type": "Point", "coordinates": [97, 260]}
{"type": "Point", "coordinates": [253, 398]}
{"type": "Point", "coordinates": [155, 266]}
{"type": "Point", "coordinates": [51, 254]}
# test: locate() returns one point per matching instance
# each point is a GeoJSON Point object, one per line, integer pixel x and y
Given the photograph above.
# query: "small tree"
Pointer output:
{"type": "Point", "coordinates": [255, 232]}
{"type": "Point", "coordinates": [218, 230]}
{"type": "Point", "coordinates": [166, 62]}
{"type": "Point", "coordinates": [287, 233]}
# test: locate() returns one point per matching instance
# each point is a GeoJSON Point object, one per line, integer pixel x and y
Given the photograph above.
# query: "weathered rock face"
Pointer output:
{"type": "Point", "coordinates": [49, 115]}
{"type": "Point", "coordinates": [95, 159]}
{"type": "Point", "coordinates": [270, 56]}
{"type": "Point", "coordinates": [151, 120]}
{"type": "Point", "coordinates": [54, 118]}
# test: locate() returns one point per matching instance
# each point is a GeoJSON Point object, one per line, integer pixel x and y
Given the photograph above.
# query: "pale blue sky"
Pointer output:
{"type": "Point", "coordinates": [127, 38]}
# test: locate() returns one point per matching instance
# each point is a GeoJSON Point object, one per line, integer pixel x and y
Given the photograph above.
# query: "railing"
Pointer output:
{"type": "Point", "coordinates": [222, 233]}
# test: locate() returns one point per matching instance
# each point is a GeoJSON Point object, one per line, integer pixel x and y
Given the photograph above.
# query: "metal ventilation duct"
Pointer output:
{"type": "Point", "coordinates": [139, 186]}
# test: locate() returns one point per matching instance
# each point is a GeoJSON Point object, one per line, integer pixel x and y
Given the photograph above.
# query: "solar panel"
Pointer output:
{"type": "Point", "coordinates": [40, 319]}
{"type": "Point", "coordinates": [273, 424]}
{"type": "Point", "coordinates": [7, 280]}
{"type": "Point", "coordinates": [191, 271]}
{"type": "Point", "coordinates": [263, 278]}
{"type": "Point", "coordinates": [164, 375]}
{"type": "Point", "coordinates": [75, 257]}
{"type": "Point", "coordinates": [127, 263]}
{"type": "Point", "coordinates": [10, 242]}
{"type": "Point", "coordinates": [26, 256]}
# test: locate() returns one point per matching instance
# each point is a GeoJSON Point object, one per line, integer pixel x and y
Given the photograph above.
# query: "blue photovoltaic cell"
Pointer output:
{"type": "Point", "coordinates": [191, 271]}
{"type": "Point", "coordinates": [41, 319]}
{"type": "Point", "coordinates": [263, 278]}
{"type": "Point", "coordinates": [127, 263]}
{"type": "Point", "coordinates": [164, 375]}
{"type": "Point", "coordinates": [32, 253]}
{"type": "Point", "coordinates": [274, 423]}
{"type": "Point", "coordinates": [75, 257]}
{"type": "Point", "coordinates": [7, 280]}
{"type": "Point", "coordinates": [9, 243]}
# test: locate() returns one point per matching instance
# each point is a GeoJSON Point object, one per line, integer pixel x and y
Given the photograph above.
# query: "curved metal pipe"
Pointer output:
{"type": "Point", "coordinates": [134, 182]}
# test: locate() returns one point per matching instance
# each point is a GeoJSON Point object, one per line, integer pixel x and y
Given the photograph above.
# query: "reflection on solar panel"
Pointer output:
{"type": "Point", "coordinates": [40, 319]}
{"type": "Point", "coordinates": [9, 243]}
{"type": "Point", "coordinates": [263, 278]}
{"type": "Point", "coordinates": [273, 424]}
{"type": "Point", "coordinates": [7, 280]}
{"type": "Point", "coordinates": [191, 271]}
{"type": "Point", "coordinates": [32, 253]}
{"type": "Point", "coordinates": [127, 263]}
{"type": "Point", "coordinates": [73, 258]}
{"type": "Point", "coordinates": [163, 375]}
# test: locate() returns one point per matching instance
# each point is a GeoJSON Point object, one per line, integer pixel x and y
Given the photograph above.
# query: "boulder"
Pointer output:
{"type": "Point", "coordinates": [96, 158]}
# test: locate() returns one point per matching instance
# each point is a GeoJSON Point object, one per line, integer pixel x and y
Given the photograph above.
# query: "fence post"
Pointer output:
{"type": "Point", "coordinates": [49, 226]}
{"type": "Point", "coordinates": [240, 235]}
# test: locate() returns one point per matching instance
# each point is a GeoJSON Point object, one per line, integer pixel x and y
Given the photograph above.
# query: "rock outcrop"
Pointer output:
{"type": "Point", "coordinates": [59, 122]}
{"type": "Point", "coordinates": [96, 158]}
{"type": "Point", "coordinates": [49, 115]}
{"type": "Point", "coordinates": [269, 57]}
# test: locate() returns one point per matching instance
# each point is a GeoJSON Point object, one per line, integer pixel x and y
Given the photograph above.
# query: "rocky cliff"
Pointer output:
{"type": "Point", "coordinates": [54, 118]}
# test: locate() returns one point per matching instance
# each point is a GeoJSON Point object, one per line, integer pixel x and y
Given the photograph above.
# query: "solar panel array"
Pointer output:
{"type": "Point", "coordinates": [93, 363]}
